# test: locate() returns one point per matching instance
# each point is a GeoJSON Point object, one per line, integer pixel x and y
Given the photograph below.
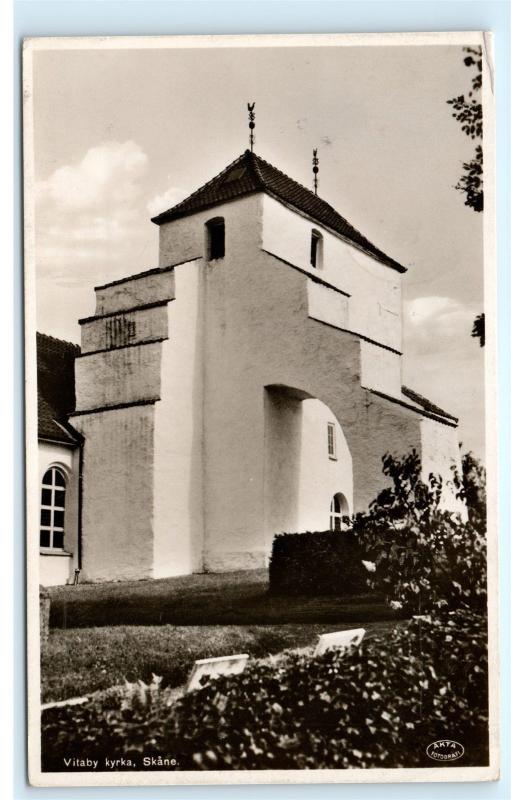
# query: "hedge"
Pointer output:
{"type": "Point", "coordinates": [380, 705]}
{"type": "Point", "coordinates": [317, 563]}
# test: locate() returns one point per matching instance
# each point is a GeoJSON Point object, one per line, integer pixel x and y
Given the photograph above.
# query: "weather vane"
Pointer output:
{"type": "Point", "coordinates": [251, 123]}
{"type": "Point", "coordinates": [315, 169]}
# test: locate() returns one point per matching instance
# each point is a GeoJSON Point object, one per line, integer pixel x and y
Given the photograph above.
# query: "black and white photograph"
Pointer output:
{"type": "Point", "coordinates": [260, 409]}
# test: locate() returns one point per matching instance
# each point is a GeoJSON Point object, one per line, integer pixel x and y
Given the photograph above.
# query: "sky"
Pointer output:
{"type": "Point", "coordinates": [120, 135]}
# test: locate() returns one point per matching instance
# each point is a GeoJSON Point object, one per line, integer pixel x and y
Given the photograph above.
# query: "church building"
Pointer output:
{"type": "Point", "coordinates": [248, 385]}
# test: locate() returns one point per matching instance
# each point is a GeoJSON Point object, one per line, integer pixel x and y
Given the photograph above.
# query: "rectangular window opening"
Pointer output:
{"type": "Point", "coordinates": [314, 250]}
{"type": "Point", "coordinates": [332, 444]}
{"type": "Point", "coordinates": [216, 232]}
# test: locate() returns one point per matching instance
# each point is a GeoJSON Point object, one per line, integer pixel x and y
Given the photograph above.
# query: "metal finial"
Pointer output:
{"type": "Point", "coordinates": [315, 169]}
{"type": "Point", "coordinates": [251, 124]}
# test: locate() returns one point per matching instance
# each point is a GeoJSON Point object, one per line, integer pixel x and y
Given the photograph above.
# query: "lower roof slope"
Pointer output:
{"type": "Point", "coordinates": [56, 388]}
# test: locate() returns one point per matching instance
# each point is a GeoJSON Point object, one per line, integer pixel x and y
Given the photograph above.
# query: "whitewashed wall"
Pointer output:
{"type": "Point", "coordinates": [125, 375]}
{"type": "Point", "coordinates": [440, 453]}
{"type": "Point", "coordinates": [179, 435]}
{"type": "Point", "coordinates": [321, 476]}
{"type": "Point", "coordinates": [375, 289]}
{"type": "Point", "coordinates": [327, 305]}
{"type": "Point", "coordinates": [381, 369]}
{"type": "Point", "coordinates": [127, 294]}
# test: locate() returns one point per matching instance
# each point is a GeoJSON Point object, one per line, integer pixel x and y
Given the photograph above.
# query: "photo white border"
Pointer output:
{"type": "Point", "coordinates": [39, 778]}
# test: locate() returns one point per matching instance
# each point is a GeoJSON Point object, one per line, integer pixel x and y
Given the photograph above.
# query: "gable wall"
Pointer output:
{"type": "Point", "coordinates": [375, 301]}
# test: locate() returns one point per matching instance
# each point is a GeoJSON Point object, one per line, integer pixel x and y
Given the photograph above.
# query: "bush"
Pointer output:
{"type": "Point", "coordinates": [323, 563]}
{"type": "Point", "coordinates": [379, 705]}
{"type": "Point", "coordinates": [423, 558]}
{"type": "Point", "coordinates": [471, 488]}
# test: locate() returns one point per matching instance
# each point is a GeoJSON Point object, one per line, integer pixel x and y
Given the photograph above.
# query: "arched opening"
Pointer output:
{"type": "Point", "coordinates": [215, 244]}
{"type": "Point", "coordinates": [53, 507]}
{"type": "Point", "coordinates": [316, 256]}
{"type": "Point", "coordinates": [338, 509]}
{"type": "Point", "coordinates": [307, 462]}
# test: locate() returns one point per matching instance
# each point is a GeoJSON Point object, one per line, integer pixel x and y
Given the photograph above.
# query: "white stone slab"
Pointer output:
{"type": "Point", "coordinates": [212, 667]}
{"type": "Point", "coordinates": [339, 639]}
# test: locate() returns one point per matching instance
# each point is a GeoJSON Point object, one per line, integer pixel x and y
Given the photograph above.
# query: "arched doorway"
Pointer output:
{"type": "Point", "coordinates": [338, 509]}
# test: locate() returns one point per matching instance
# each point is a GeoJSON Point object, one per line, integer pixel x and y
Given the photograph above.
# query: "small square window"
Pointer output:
{"type": "Point", "coordinates": [59, 499]}
{"type": "Point", "coordinates": [58, 539]}
{"type": "Point", "coordinates": [44, 539]}
{"type": "Point", "coordinates": [45, 516]}
{"type": "Point", "coordinates": [46, 497]}
{"type": "Point", "coordinates": [58, 518]}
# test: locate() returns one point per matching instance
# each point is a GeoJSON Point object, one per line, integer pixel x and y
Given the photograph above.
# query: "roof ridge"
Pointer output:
{"type": "Point", "coordinates": [313, 196]}
{"type": "Point", "coordinates": [254, 162]}
{"type": "Point", "coordinates": [202, 187]}
{"type": "Point", "coordinates": [289, 178]}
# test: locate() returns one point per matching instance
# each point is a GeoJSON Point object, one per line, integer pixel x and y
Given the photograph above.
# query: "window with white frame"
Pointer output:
{"type": "Point", "coordinates": [331, 440]}
{"type": "Point", "coordinates": [53, 506]}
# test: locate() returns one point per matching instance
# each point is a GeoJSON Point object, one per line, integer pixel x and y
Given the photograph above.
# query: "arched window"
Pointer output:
{"type": "Point", "coordinates": [53, 506]}
{"type": "Point", "coordinates": [338, 510]}
{"type": "Point", "coordinates": [316, 249]}
{"type": "Point", "coordinates": [215, 229]}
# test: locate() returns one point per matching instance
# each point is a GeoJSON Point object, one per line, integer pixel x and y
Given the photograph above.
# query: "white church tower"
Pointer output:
{"type": "Point", "coordinates": [248, 385]}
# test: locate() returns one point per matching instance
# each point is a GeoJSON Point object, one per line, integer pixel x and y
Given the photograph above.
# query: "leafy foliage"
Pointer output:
{"type": "Point", "coordinates": [471, 488]}
{"type": "Point", "coordinates": [425, 558]}
{"type": "Point", "coordinates": [478, 329]}
{"type": "Point", "coordinates": [379, 705]}
{"type": "Point", "coordinates": [470, 114]}
{"type": "Point", "coordinates": [471, 184]}
{"type": "Point", "coordinates": [468, 111]}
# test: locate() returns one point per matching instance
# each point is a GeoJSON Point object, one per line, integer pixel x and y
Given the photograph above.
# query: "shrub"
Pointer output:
{"type": "Point", "coordinates": [379, 705]}
{"type": "Point", "coordinates": [322, 563]}
{"type": "Point", "coordinates": [423, 558]}
{"type": "Point", "coordinates": [471, 488]}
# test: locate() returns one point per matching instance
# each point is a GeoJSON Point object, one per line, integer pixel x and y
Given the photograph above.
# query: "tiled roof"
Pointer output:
{"type": "Point", "coordinates": [250, 173]}
{"type": "Point", "coordinates": [426, 404]}
{"type": "Point", "coordinates": [55, 388]}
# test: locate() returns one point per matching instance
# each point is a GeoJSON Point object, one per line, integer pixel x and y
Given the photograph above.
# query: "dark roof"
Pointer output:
{"type": "Point", "coordinates": [426, 404]}
{"type": "Point", "coordinates": [250, 173]}
{"type": "Point", "coordinates": [55, 388]}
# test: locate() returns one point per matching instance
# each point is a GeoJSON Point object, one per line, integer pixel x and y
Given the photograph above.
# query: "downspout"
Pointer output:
{"type": "Point", "coordinates": [80, 502]}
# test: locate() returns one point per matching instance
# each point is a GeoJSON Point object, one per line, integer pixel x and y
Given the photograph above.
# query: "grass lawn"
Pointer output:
{"type": "Point", "coordinates": [233, 598]}
{"type": "Point", "coordinates": [82, 660]}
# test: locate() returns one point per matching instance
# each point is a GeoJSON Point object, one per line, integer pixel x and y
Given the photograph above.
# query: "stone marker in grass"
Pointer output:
{"type": "Point", "coordinates": [339, 639]}
{"type": "Point", "coordinates": [212, 667]}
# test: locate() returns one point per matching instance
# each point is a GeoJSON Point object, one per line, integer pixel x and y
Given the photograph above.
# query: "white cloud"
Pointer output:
{"type": "Point", "coordinates": [437, 319]}
{"type": "Point", "coordinates": [444, 362]}
{"type": "Point", "coordinates": [89, 219]}
{"type": "Point", "coordinates": [162, 202]}
{"type": "Point", "coordinates": [106, 172]}
{"type": "Point", "coordinates": [424, 309]}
